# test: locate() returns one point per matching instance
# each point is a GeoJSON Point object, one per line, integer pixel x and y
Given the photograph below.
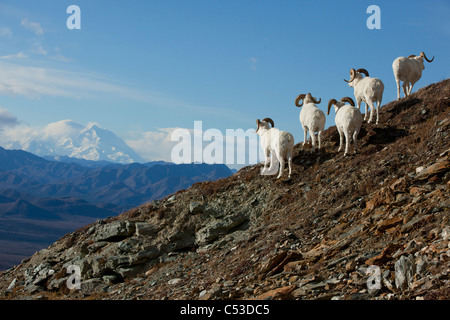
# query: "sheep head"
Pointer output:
{"type": "Point", "coordinates": [306, 98]}
{"type": "Point", "coordinates": [264, 123]}
{"type": "Point", "coordinates": [356, 74]}
{"type": "Point", "coordinates": [422, 55]}
{"type": "Point", "coordinates": [269, 121]}
{"type": "Point", "coordinates": [340, 103]}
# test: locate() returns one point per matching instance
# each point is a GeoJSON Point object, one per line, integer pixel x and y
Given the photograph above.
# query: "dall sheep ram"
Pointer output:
{"type": "Point", "coordinates": [409, 70]}
{"type": "Point", "coordinates": [367, 89]}
{"type": "Point", "coordinates": [348, 122]}
{"type": "Point", "coordinates": [276, 143]}
{"type": "Point", "coordinates": [312, 118]}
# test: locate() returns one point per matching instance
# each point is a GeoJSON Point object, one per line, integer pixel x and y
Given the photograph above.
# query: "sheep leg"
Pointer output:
{"type": "Point", "coordinates": [290, 163]}
{"type": "Point", "coordinates": [305, 133]}
{"type": "Point", "coordinates": [411, 84]}
{"type": "Point", "coordinates": [371, 111]}
{"type": "Point", "coordinates": [358, 105]}
{"type": "Point", "coordinates": [378, 108]}
{"type": "Point", "coordinates": [319, 137]}
{"type": "Point", "coordinates": [398, 88]}
{"type": "Point", "coordinates": [281, 167]}
{"type": "Point", "coordinates": [266, 159]}
{"type": "Point", "coordinates": [405, 89]}
{"type": "Point", "coordinates": [355, 140]}
{"type": "Point", "coordinates": [366, 114]}
{"type": "Point", "coordinates": [313, 141]}
{"type": "Point", "coordinates": [341, 139]}
{"type": "Point", "coordinates": [347, 141]}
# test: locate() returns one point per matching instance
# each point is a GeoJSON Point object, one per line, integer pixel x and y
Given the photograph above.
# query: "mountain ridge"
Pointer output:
{"type": "Point", "coordinates": [317, 235]}
{"type": "Point", "coordinates": [68, 138]}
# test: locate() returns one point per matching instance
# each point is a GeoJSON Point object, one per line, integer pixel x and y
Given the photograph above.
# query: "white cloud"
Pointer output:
{"type": "Point", "coordinates": [35, 82]}
{"type": "Point", "coordinates": [234, 147]}
{"type": "Point", "coordinates": [153, 145]}
{"type": "Point", "coordinates": [33, 26]}
{"type": "Point", "coordinates": [19, 55]}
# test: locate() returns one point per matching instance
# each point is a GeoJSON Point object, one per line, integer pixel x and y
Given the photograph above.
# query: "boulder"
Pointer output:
{"type": "Point", "coordinates": [115, 231]}
{"type": "Point", "coordinates": [196, 207]}
{"type": "Point", "coordinates": [217, 228]}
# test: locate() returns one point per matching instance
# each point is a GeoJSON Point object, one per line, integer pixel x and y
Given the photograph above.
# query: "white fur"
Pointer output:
{"type": "Point", "coordinates": [277, 143]}
{"type": "Point", "coordinates": [409, 70]}
{"type": "Point", "coordinates": [312, 120]}
{"type": "Point", "coordinates": [348, 123]}
{"type": "Point", "coordinates": [368, 90]}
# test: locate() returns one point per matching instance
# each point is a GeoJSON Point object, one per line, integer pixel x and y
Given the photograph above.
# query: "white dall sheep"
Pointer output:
{"type": "Point", "coordinates": [348, 122]}
{"type": "Point", "coordinates": [409, 70]}
{"type": "Point", "coordinates": [312, 118]}
{"type": "Point", "coordinates": [367, 89]}
{"type": "Point", "coordinates": [276, 143]}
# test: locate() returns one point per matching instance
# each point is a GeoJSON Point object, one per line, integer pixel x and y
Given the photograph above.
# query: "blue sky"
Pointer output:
{"type": "Point", "coordinates": [140, 67]}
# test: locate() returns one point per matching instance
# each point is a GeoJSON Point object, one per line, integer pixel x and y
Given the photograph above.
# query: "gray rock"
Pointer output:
{"type": "Point", "coordinates": [92, 285]}
{"type": "Point", "coordinates": [217, 228]}
{"type": "Point", "coordinates": [146, 229]}
{"type": "Point", "coordinates": [404, 272]}
{"type": "Point", "coordinates": [114, 231]}
{"type": "Point", "coordinates": [144, 255]}
{"type": "Point", "coordinates": [196, 207]}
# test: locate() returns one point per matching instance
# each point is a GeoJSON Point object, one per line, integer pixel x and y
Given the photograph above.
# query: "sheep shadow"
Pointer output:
{"type": "Point", "coordinates": [401, 106]}
{"type": "Point", "coordinates": [306, 158]}
{"type": "Point", "coordinates": [386, 135]}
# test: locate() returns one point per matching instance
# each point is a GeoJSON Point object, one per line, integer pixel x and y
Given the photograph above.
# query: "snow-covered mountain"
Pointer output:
{"type": "Point", "coordinates": [67, 138]}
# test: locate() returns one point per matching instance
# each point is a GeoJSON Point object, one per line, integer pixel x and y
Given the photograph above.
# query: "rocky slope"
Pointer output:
{"type": "Point", "coordinates": [317, 235]}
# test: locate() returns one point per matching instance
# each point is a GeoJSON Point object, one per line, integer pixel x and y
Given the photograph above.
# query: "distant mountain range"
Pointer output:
{"type": "Point", "coordinates": [42, 199]}
{"type": "Point", "coordinates": [68, 138]}
{"type": "Point", "coordinates": [122, 186]}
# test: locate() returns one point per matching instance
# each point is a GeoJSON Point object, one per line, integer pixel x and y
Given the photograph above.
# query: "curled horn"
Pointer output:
{"type": "Point", "coordinates": [315, 100]}
{"type": "Point", "coordinates": [412, 56]}
{"type": "Point", "coordinates": [300, 97]}
{"type": "Point", "coordinates": [269, 121]}
{"type": "Point", "coordinates": [363, 71]}
{"type": "Point", "coordinates": [330, 103]}
{"type": "Point", "coordinates": [422, 54]}
{"type": "Point", "coordinates": [352, 75]}
{"type": "Point", "coordinates": [349, 100]}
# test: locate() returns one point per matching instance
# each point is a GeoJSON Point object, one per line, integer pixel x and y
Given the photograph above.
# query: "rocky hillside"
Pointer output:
{"type": "Point", "coordinates": [317, 235]}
